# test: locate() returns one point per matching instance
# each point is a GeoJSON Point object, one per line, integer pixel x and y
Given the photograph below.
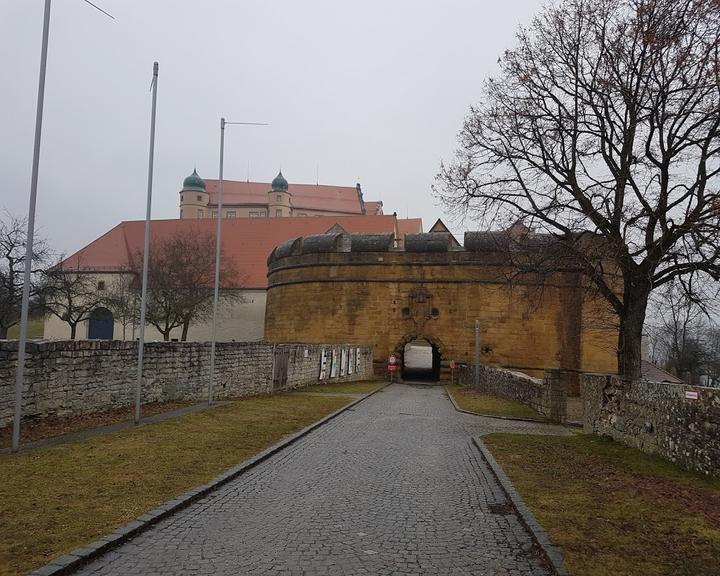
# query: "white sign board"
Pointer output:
{"type": "Point", "coordinates": [691, 394]}
{"type": "Point", "coordinates": [392, 359]}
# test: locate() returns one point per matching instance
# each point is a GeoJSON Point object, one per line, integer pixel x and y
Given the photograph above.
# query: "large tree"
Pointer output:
{"type": "Point", "coordinates": [181, 275]}
{"type": "Point", "coordinates": [12, 269]}
{"type": "Point", "coordinates": [603, 122]}
{"type": "Point", "coordinates": [71, 294]}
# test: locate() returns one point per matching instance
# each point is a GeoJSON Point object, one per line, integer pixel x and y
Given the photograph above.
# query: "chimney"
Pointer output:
{"type": "Point", "coordinates": [360, 198]}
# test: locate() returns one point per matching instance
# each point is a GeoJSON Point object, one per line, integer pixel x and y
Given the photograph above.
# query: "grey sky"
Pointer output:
{"type": "Point", "coordinates": [364, 89]}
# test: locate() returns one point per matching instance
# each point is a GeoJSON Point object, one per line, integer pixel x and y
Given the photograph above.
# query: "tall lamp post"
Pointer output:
{"type": "Point", "coordinates": [218, 244]}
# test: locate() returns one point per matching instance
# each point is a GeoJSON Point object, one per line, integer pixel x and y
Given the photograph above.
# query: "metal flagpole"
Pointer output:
{"type": "Point", "coordinates": [217, 264]}
{"type": "Point", "coordinates": [218, 245]}
{"type": "Point", "coordinates": [20, 370]}
{"type": "Point", "coordinates": [146, 247]}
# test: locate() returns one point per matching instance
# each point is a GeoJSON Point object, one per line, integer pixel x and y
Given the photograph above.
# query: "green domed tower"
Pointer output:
{"type": "Point", "coordinates": [279, 198]}
{"type": "Point", "coordinates": [194, 197]}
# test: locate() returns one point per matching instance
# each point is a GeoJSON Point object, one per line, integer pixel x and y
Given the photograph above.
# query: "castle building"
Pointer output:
{"type": "Point", "coordinates": [278, 199]}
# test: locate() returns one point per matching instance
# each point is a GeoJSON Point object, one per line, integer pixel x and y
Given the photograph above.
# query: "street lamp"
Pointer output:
{"type": "Point", "coordinates": [223, 123]}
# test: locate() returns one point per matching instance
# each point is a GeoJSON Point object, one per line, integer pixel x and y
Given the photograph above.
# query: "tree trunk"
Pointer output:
{"type": "Point", "coordinates": [73, 330]}
{"type": "Point", "coordinates": [166, 335]}
{"type": "Point", "coordinates": [630, 338]}
{"type": "Point", "coordinates": [185, 327]}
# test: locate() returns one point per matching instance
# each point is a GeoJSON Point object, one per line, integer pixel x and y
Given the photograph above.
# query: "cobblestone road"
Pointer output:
{"type": "Point", "coordinates": [393, 486]}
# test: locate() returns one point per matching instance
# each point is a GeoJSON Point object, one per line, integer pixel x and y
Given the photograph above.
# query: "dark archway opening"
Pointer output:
{"type": "Point", "coordinates": [421, 361]}
{"type": "Point", "coordinates": [101, 325]}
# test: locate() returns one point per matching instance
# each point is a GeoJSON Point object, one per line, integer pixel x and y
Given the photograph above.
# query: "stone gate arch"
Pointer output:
{"type": "Point", "coordinates": [439, 355]}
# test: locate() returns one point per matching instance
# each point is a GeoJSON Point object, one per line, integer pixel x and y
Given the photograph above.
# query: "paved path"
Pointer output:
{"type": "Point", "coordinates": [392, 486]}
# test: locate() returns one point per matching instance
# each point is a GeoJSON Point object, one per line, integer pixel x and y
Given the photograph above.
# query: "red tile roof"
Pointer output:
{"type": "Point", "coordinates": [246, 241]}
{"type": "Point", "coordinates": [304, 196]}
{"type": "Point", "coordinates": [409, 226]}
{"type": "Point", "coordinates": [373, 207]}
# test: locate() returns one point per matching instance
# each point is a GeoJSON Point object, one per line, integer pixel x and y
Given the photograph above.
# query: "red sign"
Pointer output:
{"type": "Point", "coordinates": [452, 364]}
{"type": "Point", "coordinates": [392, 368]}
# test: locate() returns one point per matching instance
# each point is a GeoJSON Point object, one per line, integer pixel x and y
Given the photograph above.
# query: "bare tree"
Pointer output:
{"type": "Point", "coordinates": [123, 299]}
{"type": "Point", "coordinates": [181, 276]}
{"type": "Point", "coordinates": [71, 294]}
{"type": "Point", "coordinates": [12, 269]}
{"type": "Point", "coordinates": [683, 330]}
{"type": "Point", "coordinates": [603, 129]}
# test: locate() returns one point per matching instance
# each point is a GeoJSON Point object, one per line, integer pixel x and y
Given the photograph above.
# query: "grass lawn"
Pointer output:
{"type": "Point", "coordinates": [345, 388]}
{"type": "Point", "coordinates": [614, 510]}
{"type": "Point", "coordinates": [36, 329]}
{"type": "Point", "coordinates": [469, 399]}
{"type": "Point", "coordinates": [53, 500]}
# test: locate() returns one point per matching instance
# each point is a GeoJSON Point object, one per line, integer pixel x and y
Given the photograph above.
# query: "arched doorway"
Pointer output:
{"type": "Point", "coordinates": [420, 361]}
{"type": "Point", "coordinates": [101, 324]}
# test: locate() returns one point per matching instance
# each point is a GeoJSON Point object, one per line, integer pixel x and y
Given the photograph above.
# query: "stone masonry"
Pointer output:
{"type": "Point", "coordinates": [547, 395]}
{"type": "Point", "coordinates": [71, 377]}
{"type": "Point", "coordinates": [678, 422]}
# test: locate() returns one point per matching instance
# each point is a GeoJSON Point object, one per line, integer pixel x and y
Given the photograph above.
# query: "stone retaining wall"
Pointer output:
{"type": "Point", "coordinates": [678, 422]}
{"type": "Point", "coordinates": [64, 378]}
{"type": "Point", "coordinates": [547, 396]}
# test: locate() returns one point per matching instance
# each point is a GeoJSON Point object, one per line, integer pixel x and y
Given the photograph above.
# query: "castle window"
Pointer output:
{"type": "Point", "coordinates": [214, 213]}
{"type": "Point", "coordinates": [199, 198]}
{"type": "Point", "coordinates": [181, 213]}
{"type": "Point", "coordinates": [279, 197]}
{"type": "Point", "coordinates": [231, 215]}
{"type": "Point", "coordinates": [101, 285]}
{"type": "Point", "coordinates": [201, 214]}
{"type": "Point", "coordinates": [278, 212]}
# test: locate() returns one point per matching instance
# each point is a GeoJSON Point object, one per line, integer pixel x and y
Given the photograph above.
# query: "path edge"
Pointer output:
{"type": "Point", "coordinates": [513, 418]}
{"type": "Point", "coordinates": [70, 562]}
{"type": "Point", "coordinates": [552, 553]}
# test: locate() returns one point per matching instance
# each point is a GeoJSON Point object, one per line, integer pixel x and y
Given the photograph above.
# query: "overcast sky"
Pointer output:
{"type": "Point", "coordinates": [368, 90]}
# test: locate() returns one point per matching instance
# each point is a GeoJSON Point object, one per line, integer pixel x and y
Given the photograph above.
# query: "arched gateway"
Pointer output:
{"type": "Point", "coordinates": [362, 288]}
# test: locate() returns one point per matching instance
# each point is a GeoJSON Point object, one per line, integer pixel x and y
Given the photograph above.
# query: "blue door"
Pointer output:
{"type": "Point", "coordinates": [101, 324]}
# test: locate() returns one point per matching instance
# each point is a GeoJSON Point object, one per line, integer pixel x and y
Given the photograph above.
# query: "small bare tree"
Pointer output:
{"type": "Point", "coordinates": [123, 299]}
{"type": "Point", "coordinates": [604, 124]}
{"type": "Point", "coordinates": [181, 276]}
{"type": "Point", "coordinates": [12, 269]}
{"type": "Point", "coordinates": [683, 327]}
{"type": "Point", "coordinates": [71, 294]}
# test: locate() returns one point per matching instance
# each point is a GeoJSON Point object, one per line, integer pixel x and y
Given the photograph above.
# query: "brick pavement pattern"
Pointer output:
{"type": "Point", "coordinates": [392, 486]}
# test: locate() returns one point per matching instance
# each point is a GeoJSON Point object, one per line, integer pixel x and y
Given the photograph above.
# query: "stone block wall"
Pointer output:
{"type": "Point", "coordinates": [547, 395]}
{"type": "Point", "coordinates": [390, 298]}
{"type": "Point", "coordinates": [64, 378]}
{"type": "Point", "coordinates": [678, 422]}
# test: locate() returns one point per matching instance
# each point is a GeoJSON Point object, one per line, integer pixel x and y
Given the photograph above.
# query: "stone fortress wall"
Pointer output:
{"type": "Point", "coordinates": [71, 377]}
{"type": "Point", "coordinates": [360, 288]}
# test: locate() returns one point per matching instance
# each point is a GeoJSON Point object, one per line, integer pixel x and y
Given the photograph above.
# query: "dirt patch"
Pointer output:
{"type": "Point", "coordinates": [41, 428]}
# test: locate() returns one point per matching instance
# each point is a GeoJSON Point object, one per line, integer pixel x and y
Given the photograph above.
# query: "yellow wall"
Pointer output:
{"type": "Point", "coordinates": [353, 297]}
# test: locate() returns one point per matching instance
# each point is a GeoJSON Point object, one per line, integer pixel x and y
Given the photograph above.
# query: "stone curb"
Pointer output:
{"type": "Point", "coordinates": [80, 556]}
{"type": "Point", "coordinates": [551, 552]}
{"type": "Point", "coordinates": [514, 418]}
